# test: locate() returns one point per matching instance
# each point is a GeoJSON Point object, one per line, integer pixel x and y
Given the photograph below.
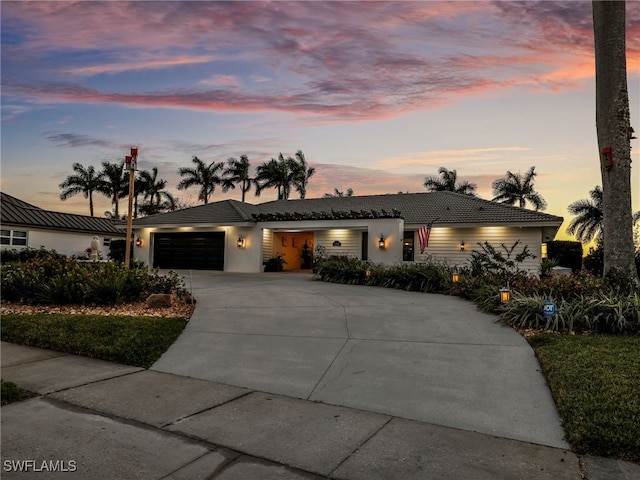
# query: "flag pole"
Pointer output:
{"type": "Point", "coordinates": [130, 162]}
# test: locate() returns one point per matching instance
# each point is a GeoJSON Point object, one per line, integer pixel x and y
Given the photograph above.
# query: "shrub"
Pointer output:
{"type": "Point", "coordinates": [421, 277]}
{"type": "Point", "coordinates": [12, 393]}
{"type": "Point", "coordinates": [604, 312]}
{"type": "Point", "coordinates": [60, 281]}
{"type": "Point", "coordinates": [343, 269]}
{"type": "Point", "coordinates": [504, 261]}
{"type": "Point", "coordinates": [567, 253]}
{"type": "Point", "coordinates": [275, 263]}
{"type": "Point", "coordinates": [559, 286]}
{"type": "Point", "coordinates": [28, 253]}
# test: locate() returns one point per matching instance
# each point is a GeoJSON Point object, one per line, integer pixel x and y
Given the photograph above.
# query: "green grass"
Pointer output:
{"type": "Point", "coordinates": [595, 382]}
{"type": "Point", "coordinates": [137, 341]}
{"type": "Point", "coordinates": [12, 393]}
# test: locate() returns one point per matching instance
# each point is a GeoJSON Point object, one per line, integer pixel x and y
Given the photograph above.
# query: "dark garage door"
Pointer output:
{"type": "Point", "coordinates": [190, 250]}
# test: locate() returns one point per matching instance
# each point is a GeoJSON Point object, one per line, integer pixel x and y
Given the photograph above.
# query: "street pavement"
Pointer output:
{"type": "Point", "coordinates": [282, 377]}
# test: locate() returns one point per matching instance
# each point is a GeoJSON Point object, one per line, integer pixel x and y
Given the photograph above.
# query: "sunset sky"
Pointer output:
{"type": "Point", "coordinates": [378, 95]}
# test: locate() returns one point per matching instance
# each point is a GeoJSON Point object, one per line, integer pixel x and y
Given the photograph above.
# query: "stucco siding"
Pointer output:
{"type": "Point", "coordinates": [69, 244]}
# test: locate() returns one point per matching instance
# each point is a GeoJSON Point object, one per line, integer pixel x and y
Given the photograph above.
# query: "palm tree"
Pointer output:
{"type": "Point", "coordinates": [589, 221]}
{"type": "Point", "coordinates": [275, 174]}
{"type": "Point", "coordinates": [237, 173]}
{"type": "Point", "coordinates": [157, 199]}
{"type": "Point", "coordinates": [447, 181]}
{"type": "Point", "coordinates": [302, 173]}
{"type": "Point", "coordinates": [85, 181]}
{"type": "Point", "coordinates": [614, 133]}
{"type": "Point", "coordinates": [114, 184]}
{"type": "Point", "coordinates": [283, 174]}
{"type": "Point", "coordinates": [204, 176]}
{"type": "Point", "coordinates": [515, 188]}
{"type": "Point", "coordinates": [587, 225]}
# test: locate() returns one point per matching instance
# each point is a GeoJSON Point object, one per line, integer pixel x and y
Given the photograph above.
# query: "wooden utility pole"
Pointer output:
{"type": "Point", "coordinates": [131, 162]}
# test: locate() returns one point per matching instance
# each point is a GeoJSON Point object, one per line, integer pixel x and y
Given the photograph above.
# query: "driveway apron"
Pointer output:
{"type": "Point", "coordinates": [425, 357]}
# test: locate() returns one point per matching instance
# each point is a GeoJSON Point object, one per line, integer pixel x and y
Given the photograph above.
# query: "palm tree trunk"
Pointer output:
{"type": "Point", "coordinates": [91, 203]}
{"type": "Point", "coordinates": [613, 127]}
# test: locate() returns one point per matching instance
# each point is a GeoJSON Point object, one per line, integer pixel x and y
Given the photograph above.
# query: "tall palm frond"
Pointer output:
{"type": "Point", "coordinates": [157, 199]}
{"type": "Point", "coordinates": [237, 173]}
{"type": "Point", "coordinates": [517, 189]}
{"type": "Point", "coordinates": [85, 181]}
{"type": "Point", "coordinates": [204, 176]}
{"type": "Point", "coordinates": [448, 181]}
{"type": "Point", "coordinates": [114, 184]}
{"type": "Point", "coordinates": [302, 173]}
{"type": "Point", "coordinates": [587, 225]}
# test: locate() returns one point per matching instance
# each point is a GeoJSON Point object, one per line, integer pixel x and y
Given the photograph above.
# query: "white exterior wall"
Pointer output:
{"type": "Point", "coordinates": [444, 243]}
{"type": "Point", "coordinates": [246, 259]}
{"type": "Point", "coordinates": [65, 243]}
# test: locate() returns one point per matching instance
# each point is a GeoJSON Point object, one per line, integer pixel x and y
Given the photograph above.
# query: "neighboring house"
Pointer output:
{"type": "Point", "coordinates": [238, 237]}
{"type": "Point", "coordinates": [25, 225]}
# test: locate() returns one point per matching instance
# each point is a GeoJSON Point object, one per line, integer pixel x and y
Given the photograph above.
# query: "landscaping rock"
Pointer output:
{"type": "Point", "coordinates": [159, 300]}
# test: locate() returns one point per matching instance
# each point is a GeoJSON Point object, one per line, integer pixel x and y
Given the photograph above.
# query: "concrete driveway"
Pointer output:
{"type": "Point", "coordinates": [425, 357]}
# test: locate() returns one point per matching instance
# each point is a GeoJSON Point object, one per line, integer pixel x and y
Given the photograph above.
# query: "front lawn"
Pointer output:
{"type": "Point", "coordinates": [137, 341]}
{"type": "Point", "coordinates": [595, 382]}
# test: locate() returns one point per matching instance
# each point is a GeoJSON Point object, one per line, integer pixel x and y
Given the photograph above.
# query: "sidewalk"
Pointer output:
{"type": "Point", "coordinates": [99, 420]}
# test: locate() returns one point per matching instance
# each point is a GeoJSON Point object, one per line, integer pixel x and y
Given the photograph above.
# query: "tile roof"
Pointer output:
{"type": "Point", "coordinates": [15, 212]}
{"type": "Point", "coordinates": [416, 208]}
{"type": "Point", "coordinates": [223, 212]}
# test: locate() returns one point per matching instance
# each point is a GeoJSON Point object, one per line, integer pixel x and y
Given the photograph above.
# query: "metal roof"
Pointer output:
{"type": "Point", "coordinates": [415, 208]}
{"type": "Point", "coordinates": [15, 212]}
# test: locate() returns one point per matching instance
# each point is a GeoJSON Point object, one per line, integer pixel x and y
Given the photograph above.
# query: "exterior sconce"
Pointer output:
{"type": "Point", "coordinates": [462, 246]}
{"type": "Point", "coordinates": [381, 244]}
{"type": "Point", "coordinates": [455, 277]}
{"type": "Point", "coordinates": [505, 294]}
{"type": "Point", "coordinates": [139, 242]}
{"type": "Point", "coordinates": [240, 241]}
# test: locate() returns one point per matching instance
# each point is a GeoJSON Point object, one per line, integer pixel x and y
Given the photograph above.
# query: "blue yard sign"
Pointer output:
{"type": "Point", "coordinates": [549, 309]}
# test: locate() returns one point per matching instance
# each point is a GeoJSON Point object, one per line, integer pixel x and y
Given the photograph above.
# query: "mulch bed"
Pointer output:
{"type": "Point", "coordinates": [178, 308]}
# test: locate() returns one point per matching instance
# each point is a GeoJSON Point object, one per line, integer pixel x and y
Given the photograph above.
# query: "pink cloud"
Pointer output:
{"type": "Point", "coordinates": [337, 60]}
{"type": "Point", "coordinates": [133, 65]}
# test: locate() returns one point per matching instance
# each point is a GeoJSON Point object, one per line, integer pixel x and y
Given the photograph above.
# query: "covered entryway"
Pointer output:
{"type": "Point", "coordinates": [189, 250]}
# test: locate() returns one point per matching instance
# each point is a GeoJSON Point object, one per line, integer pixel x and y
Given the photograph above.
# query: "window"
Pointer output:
{"type": "Point", "coordinates": [407, 246]}
{"type": "Point", "coordinates": [13, 238]}
{"type": "Point", "coordinates": [106, 242]}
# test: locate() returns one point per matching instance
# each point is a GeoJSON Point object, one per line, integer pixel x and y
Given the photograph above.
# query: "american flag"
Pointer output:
{"type": "Point", "coordinates": [423, 236]}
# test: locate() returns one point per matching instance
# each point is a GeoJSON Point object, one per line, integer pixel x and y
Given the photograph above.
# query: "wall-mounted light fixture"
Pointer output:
{"type": "Point", "coordinates": [461, 246]}
{"type": "Point", "coordinates": [241, 241]}
{"type": "Point", "coordinates": [381, 244]}
{"type": "Point", "coordinates": [455, 277]}
{"type": "Point", "coordinates": [139, 242]}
